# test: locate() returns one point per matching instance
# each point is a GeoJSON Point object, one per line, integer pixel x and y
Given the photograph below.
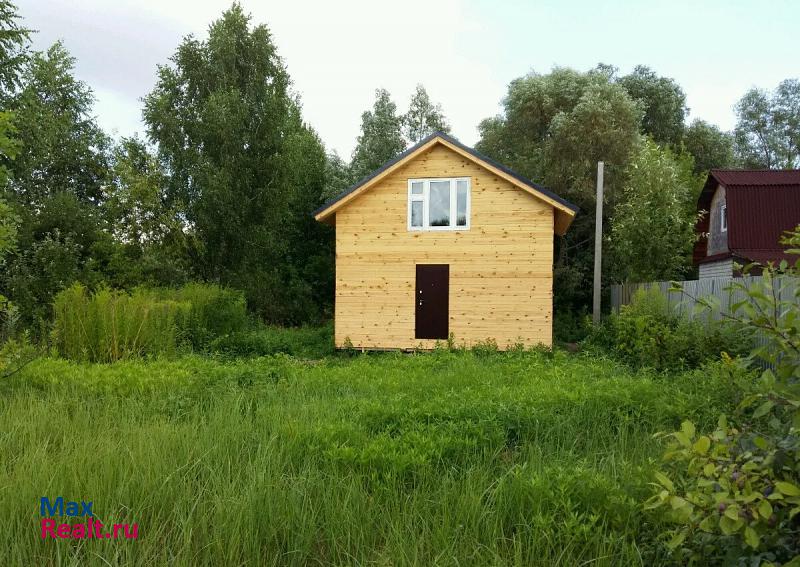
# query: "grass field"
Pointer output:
{"type": "Point", "coordinates": [450, 458]}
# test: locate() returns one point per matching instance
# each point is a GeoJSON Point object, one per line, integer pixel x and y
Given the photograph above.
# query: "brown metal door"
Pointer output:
{"type": "Point", "coordinates": [432, 301]}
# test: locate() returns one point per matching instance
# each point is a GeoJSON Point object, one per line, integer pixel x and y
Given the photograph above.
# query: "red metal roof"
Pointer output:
{"type": "Point", "coordinates": [761, 206]}
{"type": "Point", "coordinates": [760, 177]}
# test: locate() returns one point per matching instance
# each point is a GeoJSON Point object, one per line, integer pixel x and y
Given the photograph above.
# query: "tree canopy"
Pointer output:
{"type": "Point", "coordinates": [61, 147]}
{"type": "Point", "coordinates": [652, 232]}
{"type": "Point", "coordinates": [381, 137]}
{"type": "Point", "coordinates": [710, 146]}
{"type": "Point", "coordinates": [554, 130]}
{"type": "Point", "coordinates": [229, 132]}
{"type": "Point", "coordinates": [663, 102]}
{"type": "Point", "coordinates": [768, 127]}
{"type": "Point", "coordinates": [423, 117]}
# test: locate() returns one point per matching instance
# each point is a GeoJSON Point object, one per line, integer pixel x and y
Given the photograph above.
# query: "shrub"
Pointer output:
{"type": "Point", "coordinates": [302, 342]}
{"type": "Point", "coordinates": [735, 493]}
{"type": "Point", "coordinates": [646, 334]}
{"type": "Point", "coordinates": [213, 311]}
{"type": "Point", "coordinates": [569, 326]}
{"type": "Point", "coordinates": [110, 325]}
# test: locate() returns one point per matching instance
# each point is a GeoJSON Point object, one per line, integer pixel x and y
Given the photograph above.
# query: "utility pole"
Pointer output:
{"type": "Point", "coordinates": [598, 245]}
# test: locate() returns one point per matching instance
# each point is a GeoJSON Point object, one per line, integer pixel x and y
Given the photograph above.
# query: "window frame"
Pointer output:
{"type": "Point", "coordinates": [723, 218]}
{"type": "Point", "coordinates": [426, 202]}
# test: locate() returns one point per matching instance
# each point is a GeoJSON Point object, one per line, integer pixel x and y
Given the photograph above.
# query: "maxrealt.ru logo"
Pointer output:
{"type": "Point", "coordinates": [91, 529]}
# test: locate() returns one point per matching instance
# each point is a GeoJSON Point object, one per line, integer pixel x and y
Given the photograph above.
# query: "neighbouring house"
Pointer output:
{"type": "Point", "coordinates": [443, 240]}
{"type": "Point", "coordinates": [744, 214]}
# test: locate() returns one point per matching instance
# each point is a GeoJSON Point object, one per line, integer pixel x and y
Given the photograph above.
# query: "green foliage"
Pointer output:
{"type": "Point", "coordinates": [62, 149]}
{"type": "Point", "coordinates": [735, 496]}
{"type": "Point", "coordinates": [213, 311]}
{"type": "Point", "coordinates": [570, 326]}
{"type": "Point", "coordinates": [338, 176]}
{"type": "Point", "coordinates": [245, 171]}
{"type": "Point", "coordinates": [9, 146]}
{"type": "Point", "coordinates": [390, 459]}
{"type": "Point", "coordinates": [59, 243]}
{"type": "Point", "coordinates": [652, 228]}
{"type": "Point", "coordinates": [710, 146]}
{"type": "Point", "coordinates": [8, 229]}
{"type": "Point", "coordinates": [15, 352]}
{"type": "Point", "coordinates": [107, 325]}
{"type": "Point", "coordinates": [646, 335]}
{"type": "Point", "coordinates": [423, 117]}
{"type": "Point", "coordinates": [381, 137]}
{"type": "Point", "coordinates": [554, 129]}
{"type": "Point", "coordinates": [14, 40]}
{"type": "Point", "coordinates": [58, 176]}
{"type": "Point", "coordinates": [663, 102]}
{"type": "Point", "coordinates": [154, 243]}
{"type": "Point", "coordinates": [110, 325]}
{"type": "Point", "coordinates": [485, 347]}
{"type": "Point", "coordinates": [768, 127]}
{"type": "Point", "coordinates": [735, 493]}
{"type": "Point", "coordinates": [301, 342]}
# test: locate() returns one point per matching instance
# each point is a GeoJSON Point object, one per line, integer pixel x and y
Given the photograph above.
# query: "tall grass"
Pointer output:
{"type": "Point", "coordinates": [445, 458]}
{"type": "Point", "coordinates": [110, 325]}
{"type": "Point", "coordinates": [214, 311]}
{"type": "Point", "coordinates": [302, 342]}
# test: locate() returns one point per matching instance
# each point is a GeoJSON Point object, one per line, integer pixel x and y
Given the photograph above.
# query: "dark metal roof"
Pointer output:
{"type": "Point", "coordinates": [760, 177]}
{"type": "Point", "coordinates": [471, 151]}
{"type": "Point", "coordinates": [761, 206]}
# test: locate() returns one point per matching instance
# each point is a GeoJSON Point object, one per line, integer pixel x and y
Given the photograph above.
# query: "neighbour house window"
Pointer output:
{"type": "Point", "coordinates": [723, 218]}
{"type": "Point", "coordinates": [439, 204]}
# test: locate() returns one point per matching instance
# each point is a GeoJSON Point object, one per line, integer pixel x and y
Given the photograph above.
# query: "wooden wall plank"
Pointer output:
{"type": "Point", "coordinates": [500, 269]}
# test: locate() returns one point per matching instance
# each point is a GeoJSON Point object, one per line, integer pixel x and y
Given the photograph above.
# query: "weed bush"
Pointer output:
{"type": "Point", "coordinates": [213, 311]}
{"type": "Point", "coordinates": [734, 492]}
{"type": "Point", "coordinates": [302, 342]}
{"type": "Point", "coordinates": [109, 325]}
{"type": "Point", "coordinates": [646, 334]}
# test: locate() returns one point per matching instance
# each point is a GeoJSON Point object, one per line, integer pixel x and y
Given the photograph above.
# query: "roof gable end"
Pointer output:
{"type": "Point", "coordinates": [565, 211]}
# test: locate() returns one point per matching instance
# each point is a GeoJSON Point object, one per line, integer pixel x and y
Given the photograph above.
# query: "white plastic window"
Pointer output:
{"type": "Point", "coordinates": [439, 203]}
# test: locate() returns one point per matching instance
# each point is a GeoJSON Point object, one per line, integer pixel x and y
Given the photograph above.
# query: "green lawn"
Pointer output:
{"type": "Point", "coordinates": [448, 458]}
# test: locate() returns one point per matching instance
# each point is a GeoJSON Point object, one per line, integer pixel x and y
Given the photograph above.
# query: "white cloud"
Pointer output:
{"type": "Point", "coordinates": [337, 53]}
{"type": "Point", "coordinates": [464, 51]}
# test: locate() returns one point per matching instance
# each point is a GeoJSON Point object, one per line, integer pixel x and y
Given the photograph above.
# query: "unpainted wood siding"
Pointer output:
{"type": "Point", "coordinates": [718, 269]}
{"type": "Point", "coordinates": [501, 269]}
{"type": "Point", "coordinates": [717, 239]}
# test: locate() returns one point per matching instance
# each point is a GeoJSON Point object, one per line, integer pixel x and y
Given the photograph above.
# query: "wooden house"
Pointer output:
{"type": "Point", "coordinates": [441, 241]}
{"type": "Point", "coordinates": [742, 216]}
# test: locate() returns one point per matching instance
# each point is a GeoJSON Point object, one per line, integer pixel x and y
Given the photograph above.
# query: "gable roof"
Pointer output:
{"type": "Point", "coordinates": [761, 205]}
{"type": "Point", "coordinates": [565, 211]}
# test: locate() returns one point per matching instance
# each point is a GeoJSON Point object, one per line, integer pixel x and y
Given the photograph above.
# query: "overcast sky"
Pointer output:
{"type": "Point", "coordinates": [464, 52]}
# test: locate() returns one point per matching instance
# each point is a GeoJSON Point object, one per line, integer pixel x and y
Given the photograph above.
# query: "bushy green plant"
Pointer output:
{"type": "Point", "coordinates": [302, 342]}
{"type": "Point", "coordinates": [109, 325]}
{"type": "Point", "coordinates": [570, 325]}
{"type": "Point", "coordinates": [485, 347]}
{"type": "Point", "coordinates": [735, 493]}
{"type": "Point", "coordinates": [645, 334]}
{"type": "Point", "coordinates": [213, 311]}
